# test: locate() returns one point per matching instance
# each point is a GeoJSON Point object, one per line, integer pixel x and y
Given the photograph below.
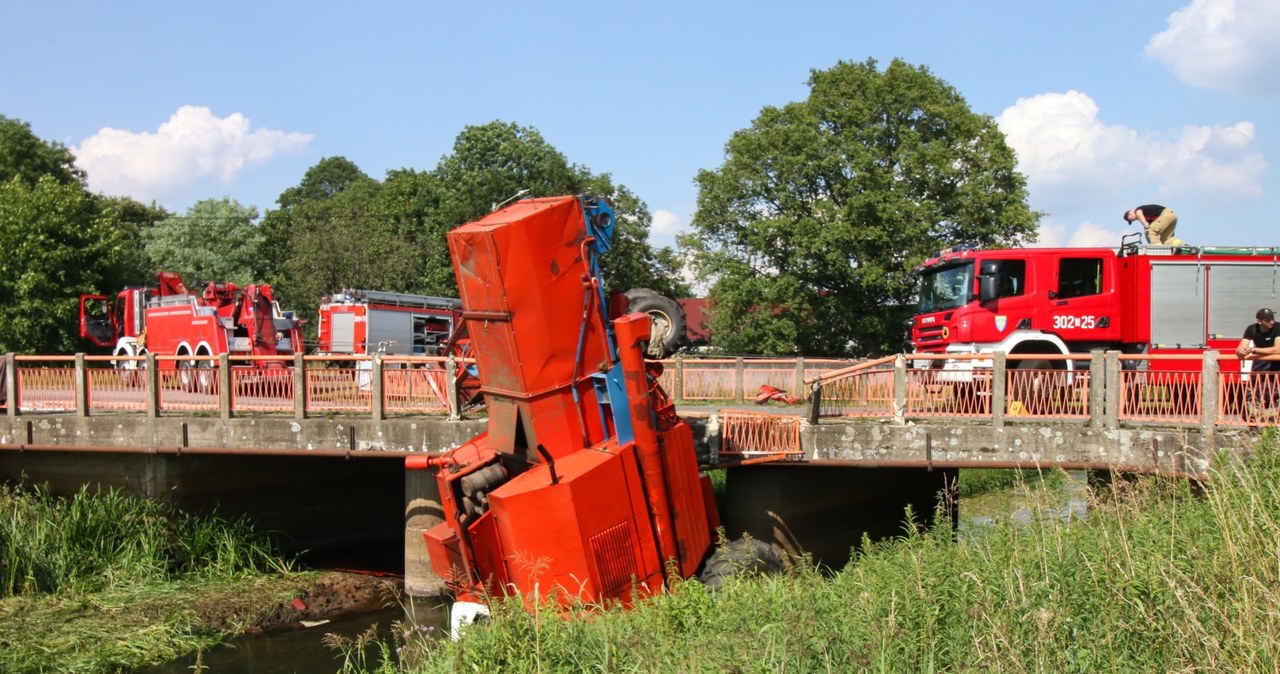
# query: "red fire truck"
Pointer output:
{"type": "Point", "coordinates": [1136, 299]}
{"type": "Point", "coordinates": [169, 320]}
{"type": "Point", "coordinates": [364, 322]}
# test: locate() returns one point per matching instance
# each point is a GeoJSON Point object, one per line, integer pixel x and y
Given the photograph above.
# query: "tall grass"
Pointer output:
{"type": "Point", "coordinates": [1160, 577]}
{"type": "Point", "coordinates": [94, 541]}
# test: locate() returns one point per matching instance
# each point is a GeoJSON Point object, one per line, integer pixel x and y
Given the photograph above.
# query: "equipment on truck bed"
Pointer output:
{"type": "Point", "coordinates": [167, 319]}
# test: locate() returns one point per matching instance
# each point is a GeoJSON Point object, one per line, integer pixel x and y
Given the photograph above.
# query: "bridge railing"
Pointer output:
{"type": "Point", "coordinates": [1104, 389]}
{"type": "Point", "coordinates": [231, 385]}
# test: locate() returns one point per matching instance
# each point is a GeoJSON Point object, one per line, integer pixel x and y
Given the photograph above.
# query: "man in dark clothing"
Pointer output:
{"type": "Point", "coordinates": [1260, 340]}
{"type": "Point", "coordinates": [1158, 222]}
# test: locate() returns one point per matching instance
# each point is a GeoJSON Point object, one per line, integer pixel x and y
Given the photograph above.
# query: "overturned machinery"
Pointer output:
{"type": "Point", "coordinates": [586, 485]}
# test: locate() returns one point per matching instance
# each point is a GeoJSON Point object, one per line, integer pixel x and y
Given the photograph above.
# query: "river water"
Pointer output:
{"type": "Point", "coordinates": [302, 650]}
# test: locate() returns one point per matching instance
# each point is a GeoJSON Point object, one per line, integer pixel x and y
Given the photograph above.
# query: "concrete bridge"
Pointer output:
{"type": "Point", "coordinates": [315, 451]}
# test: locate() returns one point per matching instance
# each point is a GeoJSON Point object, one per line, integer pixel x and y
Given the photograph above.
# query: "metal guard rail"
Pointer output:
{"type": "Point", "coordinates": [1106, 389]}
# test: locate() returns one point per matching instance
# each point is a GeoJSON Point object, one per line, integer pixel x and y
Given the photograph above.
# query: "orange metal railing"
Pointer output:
{"type": "Point", "coordinates": [756, 437]}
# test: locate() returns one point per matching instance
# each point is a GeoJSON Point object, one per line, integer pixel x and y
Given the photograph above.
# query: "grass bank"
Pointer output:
{"type": "Point", "coordinates": [1160, 577]}
{"type": "Point", "coordinates": [101, 582]}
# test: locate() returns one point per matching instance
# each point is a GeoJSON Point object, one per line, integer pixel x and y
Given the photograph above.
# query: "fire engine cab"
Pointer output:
{"type": "Point", "coordinates": [1136, 299]}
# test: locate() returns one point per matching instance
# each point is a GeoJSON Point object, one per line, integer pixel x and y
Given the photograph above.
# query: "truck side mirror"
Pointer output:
{"type": "Point", "coordinates": [987, 288]}
{"type": "Point", "coordinates": [988, 277]}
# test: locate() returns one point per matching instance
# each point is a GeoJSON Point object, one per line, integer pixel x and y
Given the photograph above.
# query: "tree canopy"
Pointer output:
{"type": "Point", "coordinates": [27, 157]}
{"type": "Point", "coordinates": [810, 230]}
{"type": "Point", "coordinates": [216, 240]}
{"type": "Point", "coordinates": [340, 228]}
{"type": "Point", "coordinates": [57, 241]}
{"type": "Point", "coordinates": [57, 245]}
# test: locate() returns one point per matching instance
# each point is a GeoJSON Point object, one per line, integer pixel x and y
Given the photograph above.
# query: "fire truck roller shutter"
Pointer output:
{"type": "Point", "coordinates": [1177, 304]}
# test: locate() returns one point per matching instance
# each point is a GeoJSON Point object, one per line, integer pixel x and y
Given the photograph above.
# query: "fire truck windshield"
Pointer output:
{"type": "Point", "coordinates": [946, 287]}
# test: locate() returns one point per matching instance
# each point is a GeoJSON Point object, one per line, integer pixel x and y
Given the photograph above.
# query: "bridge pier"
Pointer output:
{"type": "Point", "coordinates": [422, 511]}
{"type": "Point", "coordinates": [826, 510]}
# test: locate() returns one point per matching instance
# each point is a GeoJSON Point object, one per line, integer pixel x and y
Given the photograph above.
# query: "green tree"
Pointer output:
{"type": "Point", "coordinates": [216, 240]}
{"type": "Point", "coordinates": [811, 228]}
{"type": "Point", "coordinates": [26, 156]}
{"type": "Point", "coordinates": [57, 244]}
{"type": "Point", "coordinates": [327, 236]}
{"type": "Point", "coordinates": [495, 161]}
{"type": "Point", "coordinates": [131, 219]}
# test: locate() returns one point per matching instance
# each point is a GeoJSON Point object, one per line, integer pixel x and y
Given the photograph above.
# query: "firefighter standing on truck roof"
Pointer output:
{"type": "Point", "coordinates": [1159, 223]}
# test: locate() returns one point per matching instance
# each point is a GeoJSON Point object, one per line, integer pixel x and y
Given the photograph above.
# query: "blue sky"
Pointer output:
{"type": "Point", "coordinates": [1110, 105]}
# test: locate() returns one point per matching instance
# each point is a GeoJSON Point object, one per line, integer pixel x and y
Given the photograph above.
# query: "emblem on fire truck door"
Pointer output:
{"type": "Point", "coordinates": [1001, 321]}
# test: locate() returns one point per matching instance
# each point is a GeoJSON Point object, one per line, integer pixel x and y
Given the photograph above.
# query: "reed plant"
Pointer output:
{"type": "Point", "coordinates": [104, 582]}
{"type": "Point", "coordinates": [92, 541]}
{"type": "Point", "coordinates": [1160, 576]}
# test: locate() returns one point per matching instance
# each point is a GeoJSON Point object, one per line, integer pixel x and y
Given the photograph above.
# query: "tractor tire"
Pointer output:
{"type": "Point", "coordinates": [741, 557]}
{"type": "Point", "coordinates": [667, 333]}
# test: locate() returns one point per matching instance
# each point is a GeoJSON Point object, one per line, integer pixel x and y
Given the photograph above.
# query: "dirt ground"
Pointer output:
{"type": "Point", "coordinates": [266, 606]}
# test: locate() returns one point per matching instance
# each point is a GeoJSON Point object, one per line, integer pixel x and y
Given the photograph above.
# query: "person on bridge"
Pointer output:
{"type": "Point", "coordinates": [1158, 221]}
{"type": "Point", "coordinates": [1260, 340]}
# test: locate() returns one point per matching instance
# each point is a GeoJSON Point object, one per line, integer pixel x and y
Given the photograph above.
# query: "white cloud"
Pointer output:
{"type": "Point", "coordinates": [1071, 157]}
{"type": "Point", "coordinates": [1085, 235]}
{"type": "Point", "coordinates": [1231, 45]}
{"type": "Point", "coordinates": [193, 145]}
{"type": "Point", "coordinates": [666, 224]}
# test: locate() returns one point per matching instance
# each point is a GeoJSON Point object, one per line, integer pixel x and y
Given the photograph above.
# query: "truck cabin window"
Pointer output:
{"type": "Point", "coordinates": [1012, 279]}
{"type": "Point", "coordinates": [1079, 277]}
{"type": "Point", "coordinates": [946, 288]}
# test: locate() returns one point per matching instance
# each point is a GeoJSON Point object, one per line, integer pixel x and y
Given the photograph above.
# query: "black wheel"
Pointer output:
{"type": "Point", "coordinates": [1034, 390]}
{"type": "Point", "coordinates": [667, 332]}
{"type": "Point", "coordinates": [740, 557]}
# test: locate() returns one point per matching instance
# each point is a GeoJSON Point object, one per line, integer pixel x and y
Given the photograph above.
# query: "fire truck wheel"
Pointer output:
{"type": "Point", "coordinates": [668, 330]}
{"type": "Point", "coordinates": [740, 557]}
{"type": "Point", "coordinates": [204, 376]}
{"type": "Point", "coordinates": [186, 378]}
{"type": "Point", "coordinates": [1033, 389]}
{"type": "Point", "coordinates": [130, 370]}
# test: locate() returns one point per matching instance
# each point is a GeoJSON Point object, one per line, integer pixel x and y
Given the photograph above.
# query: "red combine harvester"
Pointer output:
{"type": "Point", "coordinates": [587, 482]}
{"type": "Point", "coordinates": [169, 320]}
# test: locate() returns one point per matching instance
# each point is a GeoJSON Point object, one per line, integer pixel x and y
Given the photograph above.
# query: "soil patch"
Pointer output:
{"type": "Point", "coordinates": [263, 607]}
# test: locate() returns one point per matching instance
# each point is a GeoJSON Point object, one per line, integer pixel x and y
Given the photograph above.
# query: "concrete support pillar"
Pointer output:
{"type": "Point", "coordinates": [1209, 400]}
{"type": "Point", "coordinates": [9, 373]}
{"type": "Point", "coordinates": [421, 512]}
{"type": "Point", "coordinates": [739, 381]}
{"type": "Point", "coordinates": [451, 383]}
{"type": "Point", "coordinates": [999, 387]}
{"type": "Point", "coordinates": [224, 386]}
{"type": "Point", "coordinates": [900, 388]}
{"type": "Point", "coordinates": [1097, 389]}
{"type": "Point", "coordinates": [299, 386]}
{"type": "Point", "coordinates": [1115, 388]}
{"type": "Point", "coordinates": [81, 378]}
{"type": "Point", "coordinates": [376, 398]}
{"type": "Point", "coordinates": [151, 376]}
{"type": "Point", "coordinates": [797, 384]}
{"type": "Point", "coordinates": [677, 388]}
